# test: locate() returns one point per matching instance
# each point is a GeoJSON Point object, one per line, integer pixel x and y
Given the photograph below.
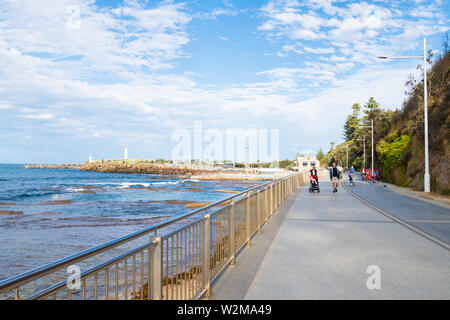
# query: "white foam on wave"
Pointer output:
{"type": "Point", "coordinates": [165, 183]}
{"type": "Point", "coordinates": [126, 185]}
{"type": "Point", "coordinates": [74, 189]}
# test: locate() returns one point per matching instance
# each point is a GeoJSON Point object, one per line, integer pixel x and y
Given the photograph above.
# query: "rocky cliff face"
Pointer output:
{"type": "Point", "coordinates": [410, 121]}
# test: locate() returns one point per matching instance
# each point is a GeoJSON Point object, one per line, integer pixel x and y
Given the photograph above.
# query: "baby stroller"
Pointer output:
{"type": "Point", "coordinates": [314, 183]}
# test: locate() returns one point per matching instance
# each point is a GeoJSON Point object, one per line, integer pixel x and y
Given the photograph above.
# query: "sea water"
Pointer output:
{"type": "Point", "coordinates": [64, 211]}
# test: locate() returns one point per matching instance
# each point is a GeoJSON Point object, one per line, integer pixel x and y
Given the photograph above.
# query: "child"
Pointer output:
{"type": "Point", "coordinates": [314, 177]}
{"type": "Point", "coordinates": [350, 175]}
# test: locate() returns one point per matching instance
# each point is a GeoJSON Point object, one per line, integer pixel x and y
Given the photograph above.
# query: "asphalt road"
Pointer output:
{"type": "Point", "coordinates": [428, 217]}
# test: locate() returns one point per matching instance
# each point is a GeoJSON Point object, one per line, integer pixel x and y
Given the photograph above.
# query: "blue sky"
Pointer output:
{"type": "Point", "coordinates": [129, 73]}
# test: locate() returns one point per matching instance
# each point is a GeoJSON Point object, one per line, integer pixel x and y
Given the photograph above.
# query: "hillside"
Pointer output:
{"type": "Point", "coordinates": [399, 134]}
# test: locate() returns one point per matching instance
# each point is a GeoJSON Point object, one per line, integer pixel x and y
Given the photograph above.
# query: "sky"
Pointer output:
{"type": "Point", "coordinates": [85, 77]}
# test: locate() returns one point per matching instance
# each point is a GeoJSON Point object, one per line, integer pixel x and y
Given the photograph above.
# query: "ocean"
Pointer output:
{"type": "Point", "coordinates": [47, 214]}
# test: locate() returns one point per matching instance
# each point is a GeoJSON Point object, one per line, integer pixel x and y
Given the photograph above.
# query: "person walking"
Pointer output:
{"type": "Point", "coordinates": [351, 173]}
{"type": "Point", "coordinates": [334, 177]}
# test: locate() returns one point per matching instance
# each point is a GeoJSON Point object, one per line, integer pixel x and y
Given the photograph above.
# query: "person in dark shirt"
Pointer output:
{"type": "Point", "coordinates": [313, 174]}
{"type": "Point", "coordinates": [334, 177]}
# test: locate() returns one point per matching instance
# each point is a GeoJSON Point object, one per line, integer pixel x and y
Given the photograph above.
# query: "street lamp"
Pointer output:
{"type": "Point", "coordinates": [347, 157]}
{"type": "Point", "coordinates": [371, 126]}
{"type": "Point", "coordinates": [426, 178]}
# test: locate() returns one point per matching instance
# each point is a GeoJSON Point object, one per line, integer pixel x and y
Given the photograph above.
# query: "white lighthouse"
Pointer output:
{"type": "Point", "coordinates": [90, 158]}
{"type": "Point", "coordinates": [125, 156]}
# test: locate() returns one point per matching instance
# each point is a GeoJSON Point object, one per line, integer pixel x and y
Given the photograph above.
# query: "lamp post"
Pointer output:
{"type": "Point", "coordinates": [426, 178]}
{"type": "Point", "coordinates": [371, 126]}
{"type": "Point", "coordinates": [347, 157]}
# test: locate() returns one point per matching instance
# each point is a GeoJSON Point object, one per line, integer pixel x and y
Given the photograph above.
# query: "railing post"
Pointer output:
{"type": "Point", "coordinates": [247, 218]}
{"type": "Point", "coordinates": [279, 195]}
{"type": "Point", "coordinates": [156, 270]}
{"type": "Point", "coordinates": [282, 192]}
{"type": "Point", "coordinates": [258, 210]}
{"type": "Point", "coordinates": [270, 203]}
{"type": "Point", "coordinates": [264, 205]}
{"type": "Point", "coordinates": [285, 181]}
{"type": "Point", "coordinates": [287, 188]}
{"type": "Point", "coordinates": [291, 186]}
{"type": "Point", "coordinates": [206, 240]}
{"type": "Point", "coordinates": [275, 196]}
{"type": "Point", "coordinates": [231, 232]}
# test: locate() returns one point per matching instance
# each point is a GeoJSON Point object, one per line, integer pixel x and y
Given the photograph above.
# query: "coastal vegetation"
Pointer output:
{"type": "Point", "coordinates": [399, 134]}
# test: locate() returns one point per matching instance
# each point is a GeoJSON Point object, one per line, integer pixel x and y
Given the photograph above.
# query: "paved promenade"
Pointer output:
{"type": "Point", "coordinates": [319, 246]}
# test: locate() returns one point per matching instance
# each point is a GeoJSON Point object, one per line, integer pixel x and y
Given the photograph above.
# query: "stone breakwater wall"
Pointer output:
{"type": "Point", "coordinates": [52, 166]}
{"type": "Point", "coordinates": [148, 168]}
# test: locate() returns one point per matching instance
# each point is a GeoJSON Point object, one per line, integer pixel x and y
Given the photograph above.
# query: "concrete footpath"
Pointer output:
{"type": "Point", "coordinates": [320, 246]}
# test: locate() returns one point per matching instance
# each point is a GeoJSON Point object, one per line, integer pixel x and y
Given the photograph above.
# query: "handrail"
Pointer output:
{"type": "Point", "coordinates": [108, 263]}
{"type": "Point", "coordinates": [28, 276]}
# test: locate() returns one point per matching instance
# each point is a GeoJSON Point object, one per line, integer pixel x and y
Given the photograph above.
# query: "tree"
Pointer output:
{"type": "Point", "coordinates": [350, 126]}
{"type": "Point", "coordinates": [286, 163]}
{"type": "Point", "coordinates": [320, 154]}
{"type": "Point", "coordinates": [356, 109]}
{"type": "Point", "coordinates": [372, 108]}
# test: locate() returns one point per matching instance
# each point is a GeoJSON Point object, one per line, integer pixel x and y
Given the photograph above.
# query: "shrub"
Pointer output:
{"type": "Point", "coordinates": [392, 150]}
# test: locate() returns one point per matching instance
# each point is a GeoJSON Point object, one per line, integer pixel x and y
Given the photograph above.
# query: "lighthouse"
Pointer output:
{"type": "Point", "coordinates": [125, 156]}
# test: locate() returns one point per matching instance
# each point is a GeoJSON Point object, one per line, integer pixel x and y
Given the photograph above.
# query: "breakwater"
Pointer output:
{"type": "Point", "coordinates": [52, 166]}
{"type": "Point", "coordinates": [148, 168]}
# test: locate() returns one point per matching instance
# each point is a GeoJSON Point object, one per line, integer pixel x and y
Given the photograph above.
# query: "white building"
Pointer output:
{"type": "Point", "coordinates": [306, 163]}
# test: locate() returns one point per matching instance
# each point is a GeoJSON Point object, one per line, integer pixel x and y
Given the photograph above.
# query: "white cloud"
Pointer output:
{"type": "Point", "coordinates": [40, 116]}
{"type": "Point", "coordinates": [360, 28]}
{"type": "Point", "coordinates": [120, 40]}
{"type": "Point", "coordinates": [217, 12]}
{"type": "Point", "coordinates": [319, 50]}
{"type": "Point", "coordinates": [114, 78]}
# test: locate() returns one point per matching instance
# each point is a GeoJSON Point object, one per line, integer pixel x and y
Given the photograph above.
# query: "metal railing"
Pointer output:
{"type": "Point", "coordinates": [178, 258]}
